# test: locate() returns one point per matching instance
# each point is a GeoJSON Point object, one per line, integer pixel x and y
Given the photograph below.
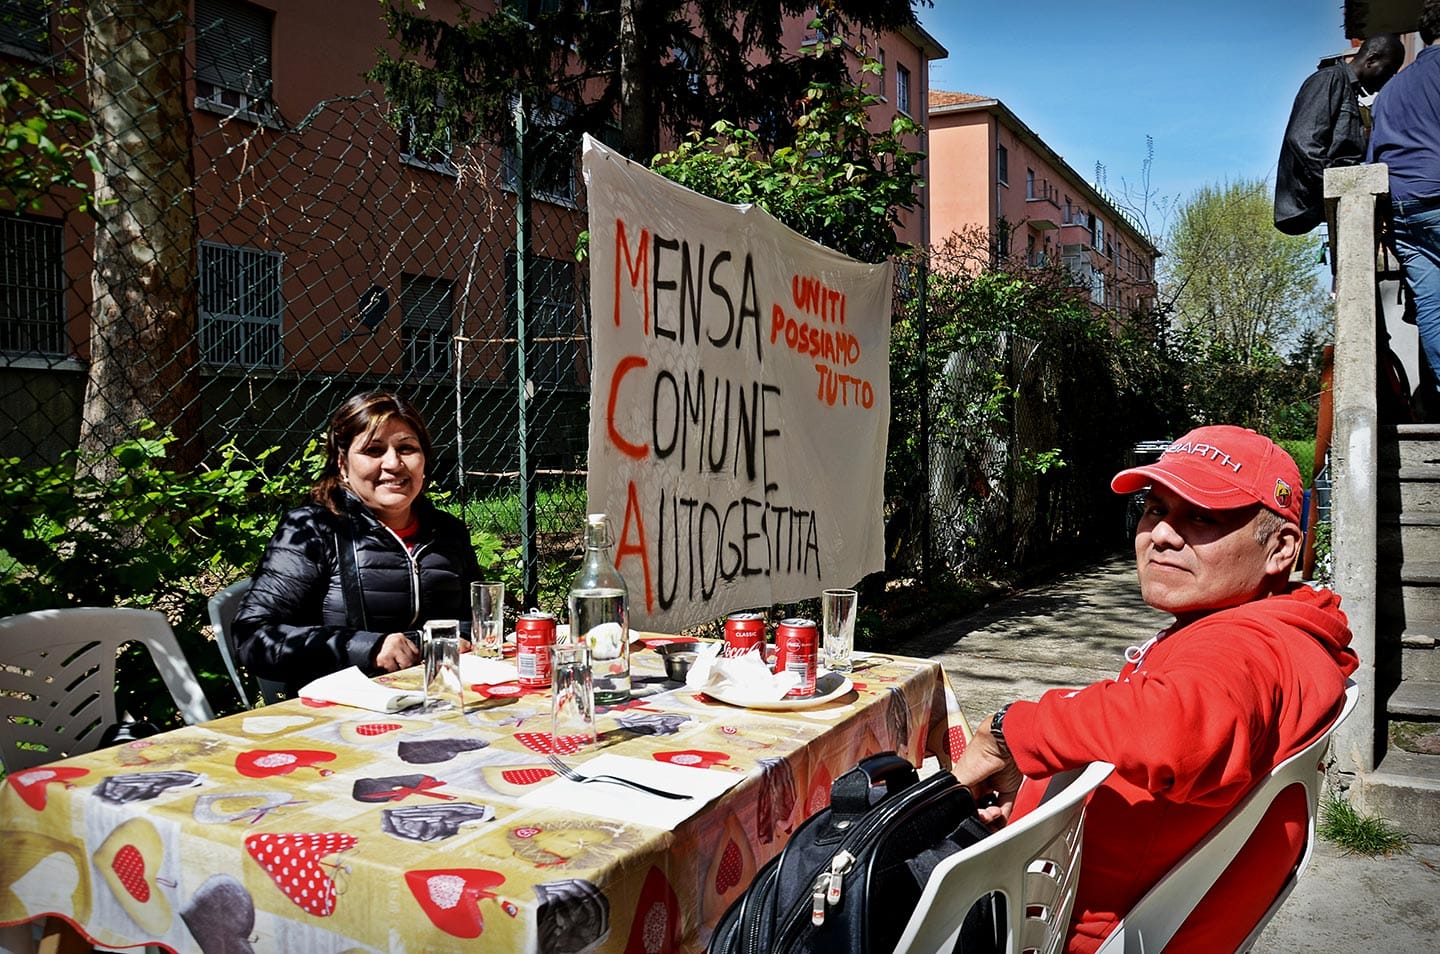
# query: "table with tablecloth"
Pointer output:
{"type": "Point", "coordinates": [302, 827]}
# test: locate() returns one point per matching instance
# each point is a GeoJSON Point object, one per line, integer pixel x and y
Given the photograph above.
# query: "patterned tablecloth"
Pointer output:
{"type": "Point", "coordinates": [302, 827]}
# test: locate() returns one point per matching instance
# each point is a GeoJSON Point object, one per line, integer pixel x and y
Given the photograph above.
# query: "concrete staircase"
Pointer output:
{"type": "Point", "coordinates": [1405, 786]}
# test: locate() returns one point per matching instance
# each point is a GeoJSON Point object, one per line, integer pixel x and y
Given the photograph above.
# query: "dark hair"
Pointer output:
{"type": "Point", "coordinates": [1429, 25]}
{"type": "Point", "coordinates": [361, 416]}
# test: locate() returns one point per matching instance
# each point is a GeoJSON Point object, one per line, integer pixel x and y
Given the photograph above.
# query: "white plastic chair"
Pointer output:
{"type": "Point", "coordinates": [57, 678]}
{"type": "Point", "coordinates": [222, 613]}
{"type": "Point", "coordinates": [1034, 863]}
{"type": "Point", "coordinates": [222, 608]}
{"type": "Point", "coordinates": [1149, 926]}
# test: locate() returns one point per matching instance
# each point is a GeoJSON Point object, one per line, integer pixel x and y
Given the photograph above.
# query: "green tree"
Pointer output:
{"type": "Point", "coordinates": [840, 183]}
{"type": "Point", "coordinates": [142, 322]}
{"type": "Point", "coordinates": [646, 65]}
{"type": "Point", "coordinates": [1233, 281]}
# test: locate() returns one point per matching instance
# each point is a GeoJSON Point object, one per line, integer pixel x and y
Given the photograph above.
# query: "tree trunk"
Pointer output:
{"type": "Point", "coordinates": [639, 135]}
{"type": "Point", "coordinates": [143, 351]}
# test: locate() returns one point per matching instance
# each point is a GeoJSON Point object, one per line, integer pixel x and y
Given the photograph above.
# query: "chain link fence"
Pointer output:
{"type": "Point", "coordinates": [325, 253]}
{"type": "Point", "coordinates": [294, 257]}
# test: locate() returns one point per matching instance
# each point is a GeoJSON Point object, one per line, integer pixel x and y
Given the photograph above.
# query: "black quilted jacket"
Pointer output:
{"type": "Point", "coordinates": [293, 625]}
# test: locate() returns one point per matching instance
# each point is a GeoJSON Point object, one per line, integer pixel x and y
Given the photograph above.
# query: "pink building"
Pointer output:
{"type": "Point", "coordinates": [991, 172]}
{"type": "Point", "coordinates": [903, 88]}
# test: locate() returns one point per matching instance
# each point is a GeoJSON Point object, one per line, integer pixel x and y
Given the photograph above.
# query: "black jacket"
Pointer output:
{"type": "Point", "coordinates": [299, 621]}
{"type": "Point", "coordinates": [1326, 129]}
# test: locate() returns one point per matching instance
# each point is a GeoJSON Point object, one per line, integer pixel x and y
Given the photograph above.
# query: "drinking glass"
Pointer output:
{"type": "Point", "coordinates": [487, 614]}
{"type": "Point", "coordinates": [837, 608]}
{"type": "Point", "coordinates": [572, 697]}
{"type": "Point", "coordinates": [440, 648]}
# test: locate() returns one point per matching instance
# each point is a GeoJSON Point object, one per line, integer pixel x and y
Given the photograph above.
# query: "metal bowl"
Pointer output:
{"type": "Point", "coordinates": [679, 657]}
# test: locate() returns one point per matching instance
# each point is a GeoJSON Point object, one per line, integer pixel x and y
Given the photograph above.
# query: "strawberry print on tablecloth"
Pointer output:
{"type": "Point", "coordinates": [450, 897]}
{"type": "Point", "coordinates": [547, 744]}
{"type": "Point", "coordinates": [30, 784]}
{"type": "Point", "coordinates": [293, 862]}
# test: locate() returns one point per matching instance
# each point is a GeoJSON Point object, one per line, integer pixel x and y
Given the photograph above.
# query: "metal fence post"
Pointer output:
{"type": "Point", "coordinates": [529, 557]}
{"type": "Point", "coordinates": [923, 382]}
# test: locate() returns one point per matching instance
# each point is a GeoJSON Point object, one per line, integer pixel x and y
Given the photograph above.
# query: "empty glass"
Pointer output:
{"type": "Point", "coordinates": [572, 697]}
{"type": "Point", "coordinates": [440, 649]}
{"type": "Point", "coordinates": [837, 609]}
{"type": "Point", "coordinates": [487, 616]}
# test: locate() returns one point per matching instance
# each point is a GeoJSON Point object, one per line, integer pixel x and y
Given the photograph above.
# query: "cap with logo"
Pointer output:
{"type": "Point", "coordinates": [1221, 467]}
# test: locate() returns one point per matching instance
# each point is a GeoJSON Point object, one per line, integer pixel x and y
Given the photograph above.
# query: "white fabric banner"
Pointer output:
{"type": "Point", "coordinates": [740, 400]}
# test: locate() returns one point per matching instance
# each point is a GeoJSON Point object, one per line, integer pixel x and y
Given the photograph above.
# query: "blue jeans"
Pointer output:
{"type": "Point", "coordinates": [1416, 230]}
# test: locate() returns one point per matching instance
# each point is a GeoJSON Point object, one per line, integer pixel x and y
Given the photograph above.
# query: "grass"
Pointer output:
{"type": "Point", "coordinates": [1343, 826]}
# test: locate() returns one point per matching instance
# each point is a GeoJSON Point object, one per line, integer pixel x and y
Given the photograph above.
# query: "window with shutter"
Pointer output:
{"type": "Point", "coordinates": [232, 58]}
{"type": "Point", "coordinates": [25, 26]}
{"type": "Point", "coordinates": [426, 325]}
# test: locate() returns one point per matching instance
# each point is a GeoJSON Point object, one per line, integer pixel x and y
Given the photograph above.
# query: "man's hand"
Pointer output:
{"type": "Point", "coordinates": [397, 652]}
{"type": "Point", "coordinates": [991, 777]}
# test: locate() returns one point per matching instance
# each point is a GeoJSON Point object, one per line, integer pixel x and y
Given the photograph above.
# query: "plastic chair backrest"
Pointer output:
{"type": "Point", "coordinates": [222, 613]}
{"type": "Point", "coordinates": [1156, 917]}
{"type": "Point", "coordinates": [222, 608]}
{"type": "Point", "coordinates": [1033, 862]}
{"type": "Point", "coordinates": [57, 684]}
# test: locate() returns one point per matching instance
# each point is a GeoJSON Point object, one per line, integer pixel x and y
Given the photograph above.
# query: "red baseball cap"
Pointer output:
{"type": "Point", "coordinates": [1222, 467]}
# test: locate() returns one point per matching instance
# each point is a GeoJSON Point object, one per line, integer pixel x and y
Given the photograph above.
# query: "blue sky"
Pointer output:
{"type": "Point", "coordinates": [1212, 82]}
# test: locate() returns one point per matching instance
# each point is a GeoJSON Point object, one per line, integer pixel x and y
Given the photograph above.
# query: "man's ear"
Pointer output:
{"type": "Point", "coordinates": [1284, 547]}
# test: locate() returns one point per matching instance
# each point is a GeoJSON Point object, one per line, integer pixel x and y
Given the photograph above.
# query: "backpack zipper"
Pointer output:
{"type": "Point", "coordinates": [829, 886]}
{"type": "Point", "coordinates": [878, 817]}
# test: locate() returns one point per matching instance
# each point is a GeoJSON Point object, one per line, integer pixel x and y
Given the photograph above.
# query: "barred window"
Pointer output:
{"type": "Point", "coordinates": [25, 26]}
{"type": "Point", "coordinates": [240, 307]}
{"type": "Point", "coordinates": [553, 359]}
{"type": "Point", "coordinates": [902, 90]}
{"type": "Point", "coordinates": [232, 57]}
{"type": "Point", "coordinates": [551, 155]}
{"type": "Point", "coordinates": [32, 286]}
{"type": "Point", "coordinates": [426, 312]}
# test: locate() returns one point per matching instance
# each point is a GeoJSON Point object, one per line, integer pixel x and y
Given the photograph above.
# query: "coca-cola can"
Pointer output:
{"type": "Point", "coordinates": [534, 635]}
{"type": "Point", "coordinates": [744, 632]}
{"type": "Point", "coordinates": [797, 647]}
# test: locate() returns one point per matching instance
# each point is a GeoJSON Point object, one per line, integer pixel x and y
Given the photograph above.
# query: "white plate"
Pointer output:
{"type": "Point", "coordinates": [829, 686]}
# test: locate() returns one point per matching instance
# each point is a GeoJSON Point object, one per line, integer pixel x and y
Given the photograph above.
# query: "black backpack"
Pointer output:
{"type": "Point", "coordinates": [851, 874]}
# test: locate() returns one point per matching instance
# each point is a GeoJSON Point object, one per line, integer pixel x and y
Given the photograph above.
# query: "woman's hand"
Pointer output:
{"type": "Point", "coordinates": [397, 652]}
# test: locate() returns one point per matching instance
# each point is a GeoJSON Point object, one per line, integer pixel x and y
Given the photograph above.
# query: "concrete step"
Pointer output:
{"type": "Point", "coordinates": [1415, 537]}
{"type": "Point", "coordinates": [1414, 604]}
{"type": "Point", "coordinates": [1419, 657]}
{"type": "Point", "coordinates": [1404, 789]}
{"type": "Point", "coordinates": [1414, 489]}
{"type": "Point", "coordinates": [1415, 699]}
{"type": "Point", "coordinates": [1409, 445]}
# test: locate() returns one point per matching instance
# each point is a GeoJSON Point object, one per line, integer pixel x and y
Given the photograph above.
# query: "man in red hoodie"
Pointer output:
{"type": "Point", "coordinates": [1252, 669]}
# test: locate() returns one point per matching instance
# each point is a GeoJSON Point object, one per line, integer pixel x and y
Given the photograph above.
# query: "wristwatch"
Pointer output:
{"type": "Point", "coordinates": [997, 729]}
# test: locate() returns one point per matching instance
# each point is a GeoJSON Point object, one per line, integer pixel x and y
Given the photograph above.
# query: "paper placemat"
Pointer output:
{"type": "Point", "coordinates": [623, 803]}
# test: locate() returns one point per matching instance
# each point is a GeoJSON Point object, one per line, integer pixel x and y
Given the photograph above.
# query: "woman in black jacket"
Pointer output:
{"type": "Point", "coordinates": [350, 578]}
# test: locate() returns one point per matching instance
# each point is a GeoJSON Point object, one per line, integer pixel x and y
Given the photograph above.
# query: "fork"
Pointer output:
{"type": "Point", "coordinates": [575, 776]}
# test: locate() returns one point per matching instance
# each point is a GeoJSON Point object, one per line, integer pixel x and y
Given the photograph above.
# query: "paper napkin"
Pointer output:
{"type": "Point", "coordinates": [480, 671]}
{"type": "Point", "coordinates": [351, 687]}
{"type": "Point", "coordinates": [623, 803]}
{"type": "Point", "coordinates": [742, 677]}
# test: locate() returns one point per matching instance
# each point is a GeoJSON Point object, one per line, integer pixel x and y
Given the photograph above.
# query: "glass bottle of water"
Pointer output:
{"type": "Point", "coordinates": [599, 614]}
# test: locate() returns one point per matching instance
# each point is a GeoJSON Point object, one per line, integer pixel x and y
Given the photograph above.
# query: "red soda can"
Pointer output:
{"type": "Point", "coordinates": [534, 635]}
{"type": "Point", "coordinates": [744, 632]}
{"type": "Point", "coordinates": [797, 644]}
